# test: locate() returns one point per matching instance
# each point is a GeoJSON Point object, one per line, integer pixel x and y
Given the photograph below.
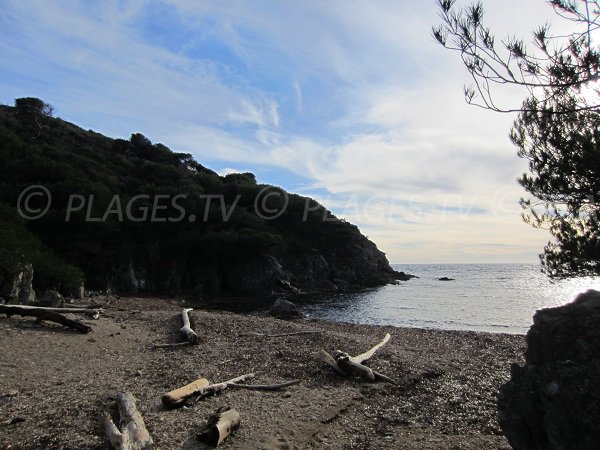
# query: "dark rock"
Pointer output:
{"type": "Point", "coordinates": [445, 279]}
{"type": "Point", "coordinates": [553, 401]}
{"type": "Point", "coordinates": [402, 276]}
{"type": "Point", "coordinates": [284, 309]}
{"type": "Point", "coordinates": [326, 285]}
{"type": "Point", "coordinates": [341, 284]}
{"type": "Point", "coordinates": [287, 286]}
{"type": "Point", "coordinates": [51, 299]}
{"type": "Point", "coordinates": [17, 287]}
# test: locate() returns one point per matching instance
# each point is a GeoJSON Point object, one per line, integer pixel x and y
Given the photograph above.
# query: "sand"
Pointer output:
{"type": "Point", "coordinates": [55, 384]}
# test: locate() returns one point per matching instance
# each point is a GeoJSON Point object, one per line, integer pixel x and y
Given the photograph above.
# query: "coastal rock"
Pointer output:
{"type": "Point", "coordinates": [402, 276]}
{"type": "Point", "coordinates": [17, 287]}
{"type": "Point", "coordinates": [552, 401]}
{"type": "Point", "coordinates": [284, 309]}
{"type": "Point", "coordinates": [51, 299]}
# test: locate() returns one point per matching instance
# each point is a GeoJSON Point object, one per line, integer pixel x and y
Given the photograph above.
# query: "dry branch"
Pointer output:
{"type": "Point", "coordinates": [43, 314]}
{"type": "Point", "coordinates": [219, 425]}
{"type": "Point", "coordinates": [347, 365]}
{"type": "Point", "coordinates": [202, 389]}
{"type": "Point", "coordinates": [296, 333]}
{"type": "Point", "coordinates": [263, 387]}
{"type": "Point", "coordinates": [218, 387]}
{"type": "Point", "coordinates": [133, 434]}
{"type": "Point", "coordinates": [368, 354]}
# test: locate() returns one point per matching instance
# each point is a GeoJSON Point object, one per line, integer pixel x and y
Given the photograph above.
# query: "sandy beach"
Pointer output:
{"type": "Point", "coordinates": [55, 384]}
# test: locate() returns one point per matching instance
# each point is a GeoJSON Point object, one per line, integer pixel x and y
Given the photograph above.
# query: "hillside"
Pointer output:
{"type": "Point", "coordinates": [133, 216]}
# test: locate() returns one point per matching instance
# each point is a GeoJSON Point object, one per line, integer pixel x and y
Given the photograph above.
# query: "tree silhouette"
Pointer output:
{"type": "Point", "coordinates": [558, 126]}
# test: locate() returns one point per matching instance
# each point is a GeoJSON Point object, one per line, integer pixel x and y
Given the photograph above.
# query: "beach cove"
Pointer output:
{"type": "Point", "coordinates": [59, 383]}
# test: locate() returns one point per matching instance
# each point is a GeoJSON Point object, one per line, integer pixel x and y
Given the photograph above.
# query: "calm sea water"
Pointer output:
{"type": "Point", "coordinates": [499, 298]}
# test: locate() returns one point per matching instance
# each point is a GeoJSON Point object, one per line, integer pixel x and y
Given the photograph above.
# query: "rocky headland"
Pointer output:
{"type": "Point", "coordinates": [81, 209]}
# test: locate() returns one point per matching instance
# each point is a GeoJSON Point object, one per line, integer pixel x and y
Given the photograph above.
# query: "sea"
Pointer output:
{"type": "Point", "coordinates": [497, 298]}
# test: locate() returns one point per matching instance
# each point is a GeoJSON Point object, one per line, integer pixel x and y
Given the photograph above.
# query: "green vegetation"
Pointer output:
{"type": "Point", "coordinates": [558, 127]}
{"type": "Point", "coordinates": [174, 227]}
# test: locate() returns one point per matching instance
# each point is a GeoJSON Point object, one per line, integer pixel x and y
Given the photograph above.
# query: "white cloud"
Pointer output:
{"type": "Point", "coordinates": [370, 111]}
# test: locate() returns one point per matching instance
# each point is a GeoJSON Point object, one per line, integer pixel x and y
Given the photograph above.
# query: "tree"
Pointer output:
{"type": "Point", "coordinates": [556, 65]}
{"type": "Point", "coordinates": [558, 126]}
{"type": "Point", "coordinates": [34, 111]}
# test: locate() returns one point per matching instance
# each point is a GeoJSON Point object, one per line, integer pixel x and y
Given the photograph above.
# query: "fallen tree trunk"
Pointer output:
{"type": "Point", "coordinates": [92, 313]}
{"type": "Point", "coordinates": [186, 329]}
{"type": "Point", "coordinates": [219, 426]}
{"type": "Point", "coordinates": [133, 434]}
{"type": "Point", "coordinates": [43, 314]}
{"type": "Point", "coordinates": [347, 365]}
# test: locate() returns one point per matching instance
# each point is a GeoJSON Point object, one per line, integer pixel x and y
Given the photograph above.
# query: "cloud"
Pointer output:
{"type": "Point", "coordinates": [355, 99]}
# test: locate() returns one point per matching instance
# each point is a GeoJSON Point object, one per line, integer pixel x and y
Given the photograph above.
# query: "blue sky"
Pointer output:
{"type": "Point", "coordinates": [350, 102]}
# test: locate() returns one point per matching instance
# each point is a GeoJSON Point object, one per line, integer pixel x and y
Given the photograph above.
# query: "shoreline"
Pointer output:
{"type": "Point", "coordinates": [61, 382]}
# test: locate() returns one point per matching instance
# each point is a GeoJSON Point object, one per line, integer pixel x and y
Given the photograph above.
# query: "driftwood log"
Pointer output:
{"type": "Point", "coordinates": [201, 389]}
{"type": "Point", "coordinates": [42, 314]}
{"type": "Point", "coordinates": [177, 397]}
{"type": "Point", "coordinates": [347, 365]}
{"type": "Point", "coordinates": [191, 337]}
{"type": "Point", "coordinates": [92, 313]}
{"type": "Point", "coordinates": [133, 434]}
{"type": "Point", "coordinates": [219, 425]}
{"type": "Point", "coordinates": [186, 329]}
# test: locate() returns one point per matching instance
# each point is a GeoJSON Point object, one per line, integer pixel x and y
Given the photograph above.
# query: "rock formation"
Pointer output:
{"type": "Point", "coordinates": [284, 309]}
{"type": "Point", "coordinates": [553, 401]}
{"type": "Point", "coordinates": [17, 287]}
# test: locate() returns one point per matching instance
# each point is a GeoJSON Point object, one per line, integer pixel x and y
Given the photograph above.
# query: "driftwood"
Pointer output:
{"type": "Point", "coordinates": [186, 329]}
{"type": "Point", "coordinates": [347, 365]}
{"type": "Point", "coordinates": [263, 387]}
{"type": "Point", "coordinates": [133, 434]}
{"type": "Point", "coordinates": [296, 333]}
{"type": "Point", "coordinates": [191, 338]}
{"type": "Point", "coordinates": [178, 397]}
{"type": "Point", "coordinates": [43, 314]}
{"type": "Point", "coordinates": [219, 425]}
{"type": "Point", "coordinates": [218, 387]}
{"type": "Point", "coordinates": [92, 313]}
{"type": "Point", "coordinates": [234, 384]}
{"type": "Point", "coordinates": [201, 389]}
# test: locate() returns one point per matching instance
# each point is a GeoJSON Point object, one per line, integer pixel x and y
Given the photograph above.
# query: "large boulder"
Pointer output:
{"type": "Point", "coordinates": [553, 401]}
{"type": "Point", "coordinates": [51, 299]}
{"type": "Point", "coordinates": [284, 309]}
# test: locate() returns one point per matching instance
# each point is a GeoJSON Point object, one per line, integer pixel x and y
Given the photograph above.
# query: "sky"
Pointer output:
{"type": "Point", "coordinates": [349, 102]}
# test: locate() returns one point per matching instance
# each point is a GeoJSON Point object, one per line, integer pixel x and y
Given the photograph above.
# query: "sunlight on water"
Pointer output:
{"type": "Point", "coordinates": [500, 298]}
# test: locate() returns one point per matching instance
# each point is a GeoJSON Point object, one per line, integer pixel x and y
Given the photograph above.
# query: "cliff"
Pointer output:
{"type": "Point", "coordinates": [133, 216]}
